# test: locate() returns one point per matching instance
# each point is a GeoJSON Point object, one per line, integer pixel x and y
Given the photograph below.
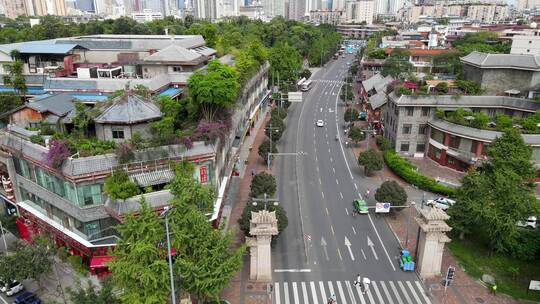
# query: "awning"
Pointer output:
{"type": "Point", "coordinates": [152, 178]}
{"type": "Point", "coordinates": [171, 92]}
{"type": "Point", "coordinates": [99, 261]}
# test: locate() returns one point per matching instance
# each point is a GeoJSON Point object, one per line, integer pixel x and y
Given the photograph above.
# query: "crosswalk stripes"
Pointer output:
{"type": "Point", "coordinates": [329, 81]}
{"type": "Point", "coordinates": [380, 292]}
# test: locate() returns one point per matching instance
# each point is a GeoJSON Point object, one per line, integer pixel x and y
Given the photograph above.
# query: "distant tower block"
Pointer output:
{"type": "Point", "coordinates": [433, 230]}
{"type": "Point", "coordinates": [262, 227]}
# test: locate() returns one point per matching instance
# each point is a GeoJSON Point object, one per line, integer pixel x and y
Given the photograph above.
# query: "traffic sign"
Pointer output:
{"type": "Point", "coordinates": [382, 207]}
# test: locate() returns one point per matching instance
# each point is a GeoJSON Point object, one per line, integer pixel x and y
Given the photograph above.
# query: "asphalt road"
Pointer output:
{"type": "Point", "coordinates": [324, 247]}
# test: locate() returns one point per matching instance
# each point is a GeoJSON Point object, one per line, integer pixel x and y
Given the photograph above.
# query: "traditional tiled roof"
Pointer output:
{"type": "Point", "coordinates": [129, 109]}
{"type": "Point", "coordinates": [503, 61]}
{"type": "Point", "coordinates": [423, 52]}
{"type": "Point", "coordinates": [59, 104]}
{"type": "Point", "coordinates": [174, 53]}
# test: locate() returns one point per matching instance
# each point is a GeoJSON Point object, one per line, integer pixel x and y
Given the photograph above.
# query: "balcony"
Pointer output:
{"type": "Point", "coordinates": [110, 85]}
{"type": "Point", "coordinates": [421, 63]}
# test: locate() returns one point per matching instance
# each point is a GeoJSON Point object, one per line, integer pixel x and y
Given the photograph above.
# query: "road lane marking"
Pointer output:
{"type": "Point", "coordinates": [304, 292]}
{"type": "Point", "coordinates": [348, 245]}
{"type": "Point", "coordinates": [293, 270]}
{"type": "Point", "coordinates": [295, 293]}
{"type": "Point", "coordinates": [381, 301]}
{"type": "Point", "coordinates": [341, 194]}
{"type": "Point", "coordinates": [331, 288]}
{"type": "Point", "coordinates": [321, 109]}
{"type": "Point", "coordinates": [327, 213]}
{"type": "Point", "coordinates": [337, 182]}
{"type": "Point", "coordinates": [364, 254]}
{"type": "Point", "coordinates": [349, 290]}
{"type": "Point", "coordinates": [317, 168]}
{"type": "Point", "coordinates": [356, 187]}
{"type": "Point", "coordinates": [347, 211]}
{"type": "Point", "coordinates": [332, 227]}
{"type": "Point", "coordinates": [320, 182]}
{"type": "Point", "coordinates": [322, 194]}
{"type": "Point", "coordinates": [400, 284]}
{"type": "Point", "coordinates": [422, 293]}
{"type": "Point", "coordinates": [331, 159]}
{"type": "Point", "coordinates": [314, 293]}
{"type": "Point", "coordinates": [380, 240]}
{"type": "Point", "coordinates": [3, 300]}
{"type": "Point", "coordinates": [411, 288]}
{"type": "Point", "coordinates": [276, 291]}
{"type": "Point", "coordinates": [341, 294]}
{"type": "Point", "coordinates": [329, 150]}
{"type": "Point", "coordinates": [385, 290]}
{"type": "Point", "coordinates": [395, 292]}
{"type": "Point", "coordinates": [339, 254]}
{"type": "Point", "coordinates": [286, 292]}
{"type": "Point", "coordinates": [354, 230]}
{"type": "Point", "coordinates": [334, 169]}
{"type": "Point", "coordinates": [323, 292]}
{"type": "Point", "coordinates": [360, 295]}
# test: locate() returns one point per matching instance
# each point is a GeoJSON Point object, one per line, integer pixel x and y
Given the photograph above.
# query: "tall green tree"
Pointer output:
{"type": "Point", "coordinates": [391, 192]}
{"type": "Point", "coordinates": [203, 258]}
{"type": "Point", "coordinates": [264, 149]}
{"type": "Point", "coordinates": [371, 160]}
{"type": "Point", "coordinates": [495, 197]}
{"type": "Point", "coordinates": [285, 61]}
{"type": "Point", "coordinates": [139, 267]}
{"type": "Point", "coordinates": [91, 294]}
{"type": "Point", "coordinates": [14, 77]}
{"type": "Point", "coordinates": [187, 189]}
{"type": "Point", "coordinates": [28, 261]}
{"type": "Point", "coordinates": [397, 64]}
{"type": "Point", "coordinates": [214, 90]}
{"type": "Point", "coordinates": [9, 102]}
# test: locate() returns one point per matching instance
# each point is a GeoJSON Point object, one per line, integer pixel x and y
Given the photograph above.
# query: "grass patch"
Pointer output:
{"type": "Point", "coordinates": [512, 275]}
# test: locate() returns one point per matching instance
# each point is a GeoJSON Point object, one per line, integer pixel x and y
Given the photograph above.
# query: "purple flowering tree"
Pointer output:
{"type": "Point", "coordinates": [58, 153]}
{"type": "Point", "coordinates": [210, 130]}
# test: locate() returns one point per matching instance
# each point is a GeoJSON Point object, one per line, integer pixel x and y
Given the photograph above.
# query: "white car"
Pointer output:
{"type": "Point", "coordinates": [530, 223]}
{"type": "Point", "coordinates": [320, 123]}
{"type": "Point", "coordinates": [13, 288]}
{"type": "Point", "coordinates": [442, 203]}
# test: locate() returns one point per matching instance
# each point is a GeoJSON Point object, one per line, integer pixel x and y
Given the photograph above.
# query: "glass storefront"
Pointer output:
{"type": "Point", "coordinates": [80, 195]}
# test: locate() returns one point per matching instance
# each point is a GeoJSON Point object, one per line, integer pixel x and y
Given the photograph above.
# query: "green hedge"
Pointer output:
{"type": "Point", "coordinates": [404, 169]}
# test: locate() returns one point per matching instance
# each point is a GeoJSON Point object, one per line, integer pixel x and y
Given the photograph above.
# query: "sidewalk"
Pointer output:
{"type": "Point", "coordinates": [240, 290]}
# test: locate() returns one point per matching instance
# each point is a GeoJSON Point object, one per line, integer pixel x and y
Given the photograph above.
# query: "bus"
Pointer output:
{"type": "Point", "coordinates": [305, 86]}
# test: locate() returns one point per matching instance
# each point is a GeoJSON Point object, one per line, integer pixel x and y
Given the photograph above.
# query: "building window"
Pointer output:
{"type": "Point", "coordinates": [89, 195]}
{"type": "Point", "coordinates": [410, 111]}
{"type": "Point", "coordinates": [422, 129]}
{"type": "Point", "coordinates": [407, 128]}
{"type": "Point", "coordinates": [404, 146]}
{"type": "Point", "coordinates": [454, 142]}
{"type": "Point", "coordinates": [177, 69]}
{"type": "Point", "coordinates": [425, 111]}
{"type": "Point", "coordinates": [420, 147]}
{"type": "Point", "coordinates": [117, 132]}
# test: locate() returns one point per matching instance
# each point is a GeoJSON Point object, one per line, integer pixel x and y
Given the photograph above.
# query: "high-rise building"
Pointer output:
{"type": "Point", "coordinates": [360, 11]}
{"type": "Point", "coordinates": [204, 9]}
{"type": "Point", "coordinates": [14, 8]}
{"type": "Point", "coordinates": [85, 5]}
{"type": "Point", "coordinates": [273, 8]}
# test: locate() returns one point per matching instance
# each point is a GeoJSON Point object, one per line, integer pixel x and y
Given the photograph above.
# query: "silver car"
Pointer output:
{"type": "Point", "coordinates": [442, 203]}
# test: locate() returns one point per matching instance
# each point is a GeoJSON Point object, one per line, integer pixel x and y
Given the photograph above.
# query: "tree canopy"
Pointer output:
{"type": "Point", "coordinates": [495, 197]}
{"type": "Point", "coordinates": [285, 61]}
{"type": "Point", "coordinates": [397, 64]}
{"type": "Point", "coordinates": [188, 190]}
{"type": "Point", "coordinates": [213, 89]}
{"type": "Point", "coordinates": [391, 192]}
{"type": "Point", "coordinates": [371, 160]}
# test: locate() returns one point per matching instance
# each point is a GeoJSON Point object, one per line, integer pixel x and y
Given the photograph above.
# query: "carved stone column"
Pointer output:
{"type": "Point", "coordinates": [263, 226]}
{"type": "Point", "coordinates": [433, 230]}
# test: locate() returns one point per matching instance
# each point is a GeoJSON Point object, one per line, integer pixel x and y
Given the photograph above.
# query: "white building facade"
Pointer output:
{"type": "Point", "coordinates": [360, 11]}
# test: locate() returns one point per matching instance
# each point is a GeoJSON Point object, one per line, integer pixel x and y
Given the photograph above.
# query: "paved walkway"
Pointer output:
{"type": "Point", "coordinates": [240, 290]}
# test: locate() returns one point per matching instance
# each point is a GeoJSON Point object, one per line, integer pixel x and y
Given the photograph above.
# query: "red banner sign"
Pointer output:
{"type": "Point", "coordinates": [203, 177]}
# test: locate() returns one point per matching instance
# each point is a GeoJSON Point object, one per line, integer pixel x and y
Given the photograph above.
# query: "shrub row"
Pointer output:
{"type": "Point", "coordinates": [404, 169]}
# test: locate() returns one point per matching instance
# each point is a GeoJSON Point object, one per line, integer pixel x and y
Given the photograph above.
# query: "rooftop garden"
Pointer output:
{"type": "Point", "coordinates": [501, 122]}
{"type": "Point", "coordinates": [415, 87]}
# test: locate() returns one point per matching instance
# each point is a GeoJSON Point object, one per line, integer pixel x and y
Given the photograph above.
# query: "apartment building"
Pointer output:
{"type": "Point", "coordinates": [327, 17]}
{"type": "Point", "coordinates": [526, 44]}
{"type": "Point", "coordinates": [422, 59]}
{"type": "Point", "coordinates": [411, 123]}
{"type": "Point", "coordinates": [106, 63]}
{"type": "Point", "coordinates": [360, 11]}
{"type": "Point", "coordinates": [68, 202]}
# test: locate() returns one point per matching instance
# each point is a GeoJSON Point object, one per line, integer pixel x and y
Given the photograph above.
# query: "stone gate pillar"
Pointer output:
{"type": "Point", "coordinates": [431, 241]}
{"type": "Point", "coordinates": [262, 227]}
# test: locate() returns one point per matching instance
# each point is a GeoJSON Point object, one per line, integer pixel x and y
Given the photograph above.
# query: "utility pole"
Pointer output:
{"type": "Point", "coordinates": [271, 146]}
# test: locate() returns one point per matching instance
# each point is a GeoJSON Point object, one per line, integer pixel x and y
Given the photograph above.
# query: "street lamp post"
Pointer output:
{"type": "Point", "coordinates": [272, 129]}
{"type": "Point", "coordinates": [4, 237]}
{"type": "Point", "coordinates": [165, 214]}
{"type": "Point", "coordinates": [408, 220]}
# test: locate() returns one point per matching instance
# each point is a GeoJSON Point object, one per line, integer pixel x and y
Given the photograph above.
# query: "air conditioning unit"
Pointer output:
{"type": "Point", "coordinates": [39, 70]}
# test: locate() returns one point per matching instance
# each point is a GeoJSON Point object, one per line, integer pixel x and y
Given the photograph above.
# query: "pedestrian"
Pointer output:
{"type": "Point", "coordinates": [494, 289]}
{"type": "Point", "coordinates": [252, 172]}
{"type": "Point", "coordinates": [367, 193]}
{"type": "Point", "coordinates": [357, 282]}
